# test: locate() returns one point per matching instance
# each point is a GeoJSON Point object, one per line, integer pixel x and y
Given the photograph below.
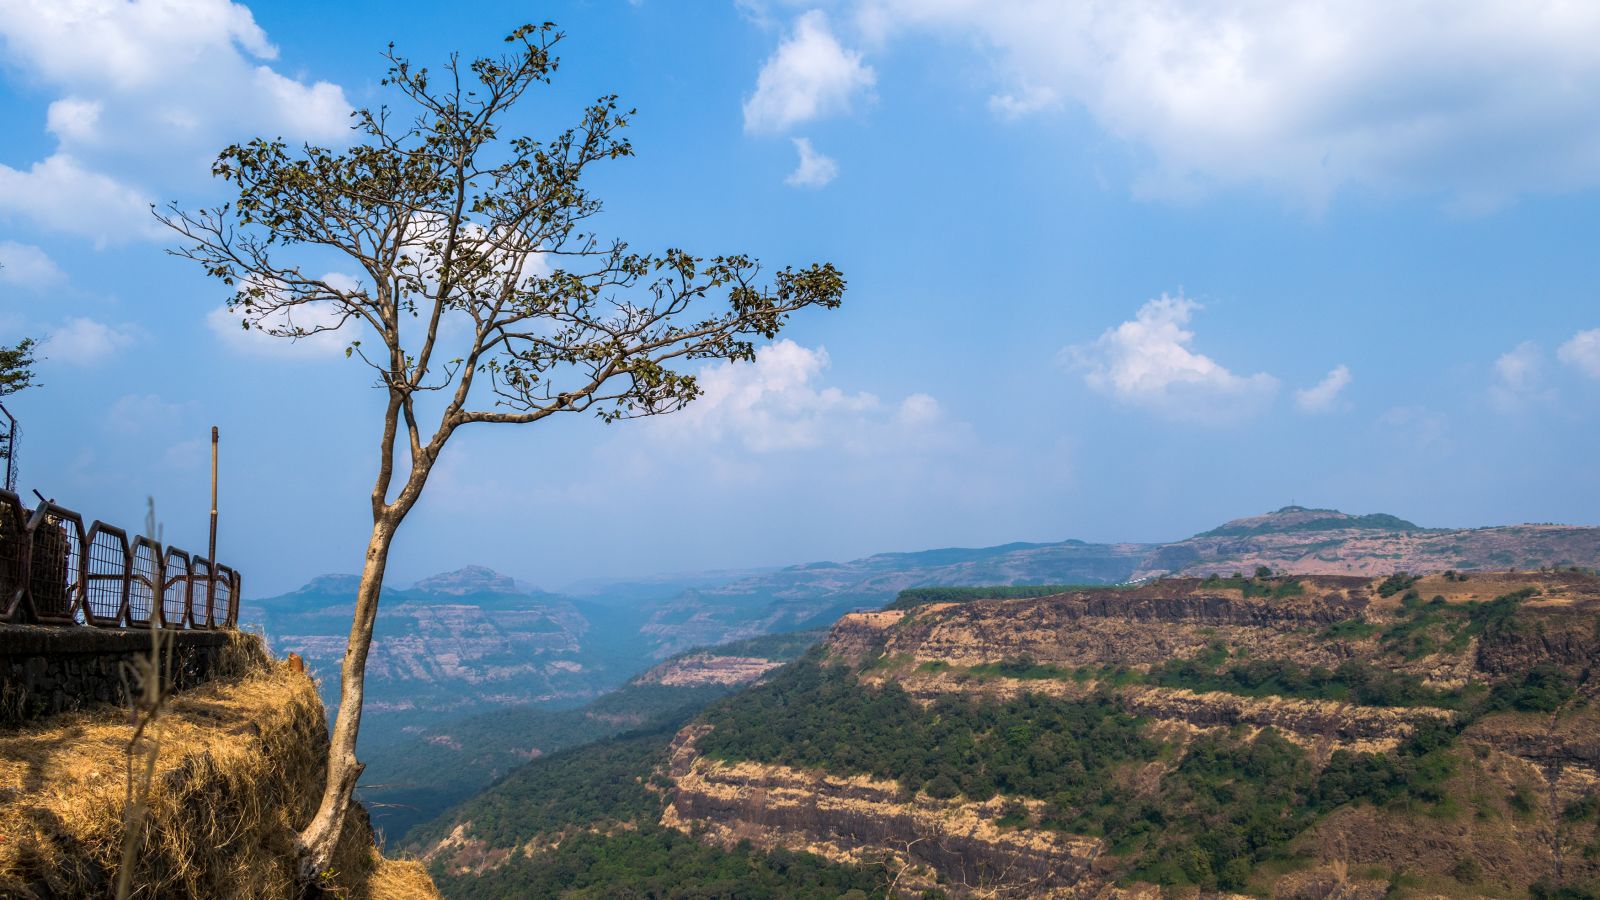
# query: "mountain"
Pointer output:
{"type": "Point", "coordinates": [814, 594]}
{"type": "Point", "coordinates": [1305, 541]}
{"type": "Point", "coordinates": [1291, 736]}
{"type": "Point", "coordinates": [455, 643]}
{"type": "Point", "coordinates": [474, 639]}
{"type": "Point", "coordinates": [1294, 540]}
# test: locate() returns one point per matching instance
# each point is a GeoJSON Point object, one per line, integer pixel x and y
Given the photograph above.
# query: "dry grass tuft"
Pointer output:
{"type": "Point", "coordinates": [240, 770]}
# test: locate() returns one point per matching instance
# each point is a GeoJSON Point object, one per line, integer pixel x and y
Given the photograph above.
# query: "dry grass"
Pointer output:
{"type": "Point", "coordinates": [240, 770]}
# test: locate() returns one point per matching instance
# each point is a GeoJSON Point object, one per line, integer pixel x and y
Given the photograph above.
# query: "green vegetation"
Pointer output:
{"type": "Point", "coordinates": [1232, 802]}
{"type": "Point", "coordinates": [1354, 681]}
{"type": "Point", "coordinates": [1263, 585]}
{"type": "Point", "coordinates": [1334, 522]}
{"type": "Point", "coordinates": [452, 760]}
{"type": "Point", "coordinates": [820, 717]}
{"type": "Point", "coordinates": [1434, 626]}
{"type": "Point", "coordinates": [911, 598]}
{"type": "Point", "coordinates": [1395, 583]}
{"type": "Point", "coordinates": [601, 782]}
{"type": "Point", "coordinates": [596, 805]}
{"type": "Point", "coordinates": [1021, 667]}
{"type": "Point", "coordinates": [16, 366]}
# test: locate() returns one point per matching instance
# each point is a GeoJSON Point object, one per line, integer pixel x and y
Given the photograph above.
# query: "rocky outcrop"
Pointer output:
{"type": "Point", "coordinates": [1136, 627]}
{"type": "Point", "coordinates": [861, 819]}
{"type": "Point", "coordinates": [1564, 634]}
{"type": "Point", "coordinates": [1318, 725]}
{"type": "Point", "coordinates": [708, 668]}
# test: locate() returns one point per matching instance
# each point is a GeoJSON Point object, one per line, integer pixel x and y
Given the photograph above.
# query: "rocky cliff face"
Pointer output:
{"type": "Point", "coordinates": [1513, 657]}
{"type": "Point", "coordinates": [451, 644]}
{"type": "Point", "coordinates": [708, 668]}
{"type": "Point", "coordinates": [862, 819]}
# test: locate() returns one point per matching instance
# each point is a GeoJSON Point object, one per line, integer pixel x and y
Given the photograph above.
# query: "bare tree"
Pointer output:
{"type": "Point", "coordinates": [479, 294]}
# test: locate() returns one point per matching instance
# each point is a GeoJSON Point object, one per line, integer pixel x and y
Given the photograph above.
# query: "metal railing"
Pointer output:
{"type": "Point", "coordinates": [54, 572]}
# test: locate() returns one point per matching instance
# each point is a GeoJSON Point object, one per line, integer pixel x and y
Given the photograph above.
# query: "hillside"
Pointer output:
{"type": "Point", "coordinates": [1299, 736]}
{"type": "Point", "coordinates": [239, 770]}
{"type": "Point", "coordinates": [418, 777]}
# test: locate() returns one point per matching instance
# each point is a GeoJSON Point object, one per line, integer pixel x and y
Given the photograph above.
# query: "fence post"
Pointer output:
{"type": "Point", "coordinates": [16, 549]}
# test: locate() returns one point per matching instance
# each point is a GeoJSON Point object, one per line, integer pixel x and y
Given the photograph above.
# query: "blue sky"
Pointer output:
{"type": "Point", "coordinates": [1117, 272]}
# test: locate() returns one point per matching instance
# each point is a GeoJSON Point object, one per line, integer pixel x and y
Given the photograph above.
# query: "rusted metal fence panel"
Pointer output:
{"type": "Point", "coordinates": [105, 579]}
{"type": "Point", "coordinates": [204, 584]}
{"type": "Point", "coordinates": [56, 570]}
{"type": "Point", "coordinates": [175, 588]}
{"type": "Point", "coordinates": [53, 572]}
{"type": "Point", "coordinates": [224, 597]}
{"type": "Point", "coordinates": [144, 583]}
{"type": "Point", "coordinates": [14, 556]}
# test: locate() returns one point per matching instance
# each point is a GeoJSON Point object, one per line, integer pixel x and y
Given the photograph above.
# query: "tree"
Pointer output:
{"type": "Point", "coordinates": [16, 367]}
{"type": "Point", "coordinates": [16, 374]}
{"type": "Point", "coordinates": [466, 239]}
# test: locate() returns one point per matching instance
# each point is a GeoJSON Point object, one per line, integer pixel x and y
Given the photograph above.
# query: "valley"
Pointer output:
{"type": "Point", "coordinates": [480, 684]}
{"type": "Point", "coordinates": [1298, 736]}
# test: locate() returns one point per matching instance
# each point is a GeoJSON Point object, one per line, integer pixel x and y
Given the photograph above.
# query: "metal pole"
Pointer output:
{"type": "Point", "coordinates": [10, 442]}
{"type": "Point", "coordinates": [211, 553]}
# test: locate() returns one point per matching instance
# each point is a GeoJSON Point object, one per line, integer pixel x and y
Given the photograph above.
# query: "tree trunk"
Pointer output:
{"type": "Point", "coordinates": [321, 836]}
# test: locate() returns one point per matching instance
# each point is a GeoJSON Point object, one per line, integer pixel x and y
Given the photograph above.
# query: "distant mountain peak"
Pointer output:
{"type": "Point", "coordinates": [331, 584]}
{"type": "Point", "coordinates": [468, 580]}
{"type": "Point", "coordinates": [1298, 519]}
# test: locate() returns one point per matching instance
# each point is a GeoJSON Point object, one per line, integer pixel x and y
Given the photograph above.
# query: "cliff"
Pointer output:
{"type": "Point", "coordinates": [238, 772]}
{"type": "Point", "coordinates": [1314, 736]}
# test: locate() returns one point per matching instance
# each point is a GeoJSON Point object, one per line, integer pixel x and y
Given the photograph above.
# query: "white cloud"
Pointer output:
{"type": "Point", "coordinates": [1024, 102]}
{"type": "Point", "coordinates": [1324, 395]}
{"type": "Point", "coordinates": [149, 91]}
{"type": "Point", "coordinates": [61, 195]}
{"type": "Point", "coordinates": [73, 119]}
{"type": "Point", "coordinates": [815, 169]}
{"type": "Point", "coordinates": [1148, 363]}
{"type": "Point", "coordinates": [1481, 101]}
{"type": "Point", "coordinates": [135, 414]}
{"type": "Point", "coordinates": [1519, 375]}
{"type": "Point", "coordinates": [777, 403]}
{"type": "Point", "coordinates": [27, 265]}
{"type": "Point", "coordinates": [1582, 352]}
{"type": "Point", "coordinates": [86, 342]}
{"type": "Point", "coordinates": [809, 76]}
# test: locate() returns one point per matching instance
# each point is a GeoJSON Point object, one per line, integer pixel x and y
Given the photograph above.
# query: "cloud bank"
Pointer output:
{"type": "Point", "coordinates": [1479, 101]}
{"type": "Point", "coordinates": [149, 90]}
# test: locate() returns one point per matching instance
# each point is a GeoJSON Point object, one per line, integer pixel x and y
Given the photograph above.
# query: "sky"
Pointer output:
{"type": "Point", "coordinates": [1117, 272]}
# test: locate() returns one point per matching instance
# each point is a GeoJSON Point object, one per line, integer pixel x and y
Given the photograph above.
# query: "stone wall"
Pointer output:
{"type": "Point", "coordinates": [46, 670]}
